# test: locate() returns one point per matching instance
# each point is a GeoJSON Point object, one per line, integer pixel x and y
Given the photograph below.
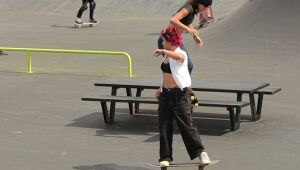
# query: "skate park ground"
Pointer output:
{"type": "Point", "coordinates": [45, 125]}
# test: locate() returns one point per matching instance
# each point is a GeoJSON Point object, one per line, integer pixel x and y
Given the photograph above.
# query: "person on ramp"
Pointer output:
{"type": "Point", "coordinates": [85, 7]}
{"type": "Point", "coordinates": [175, 100]}
{"type": "Point", "coordinates": [183, 20]}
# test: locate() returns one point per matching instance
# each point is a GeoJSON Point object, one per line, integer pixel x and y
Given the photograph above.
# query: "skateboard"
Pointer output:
{"type": "Point", "coordinates": [200, 166]}
{"type": "Point", "coordinates": [205, 24]}
{"type": "Point", "coordinates": [90, 24]}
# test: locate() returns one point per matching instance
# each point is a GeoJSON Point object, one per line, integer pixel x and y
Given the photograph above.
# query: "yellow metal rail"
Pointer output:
{"type": "Point", "coordinates": [29, 50]}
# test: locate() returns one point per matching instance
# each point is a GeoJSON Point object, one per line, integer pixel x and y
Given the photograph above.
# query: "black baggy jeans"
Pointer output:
{"type": "Point", "coordinates": [176, 104]}
{"type": "Point", "coordinates": [84, 7]}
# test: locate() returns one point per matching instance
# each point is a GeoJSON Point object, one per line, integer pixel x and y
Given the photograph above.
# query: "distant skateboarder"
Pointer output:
{"type": "Point", "coordinates": [84, 7]}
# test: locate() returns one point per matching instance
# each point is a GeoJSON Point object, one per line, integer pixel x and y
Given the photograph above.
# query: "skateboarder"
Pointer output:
{"type": "Point", "coordinates": [175, 100]}
{"type": "Point", "coordinates": [85, 7]}
{"type": "Point", "coordinates": [183, 20]}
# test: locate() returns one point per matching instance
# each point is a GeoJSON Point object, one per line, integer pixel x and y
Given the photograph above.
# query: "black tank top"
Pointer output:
{"type": "Point", "coordinates": [165, 67]}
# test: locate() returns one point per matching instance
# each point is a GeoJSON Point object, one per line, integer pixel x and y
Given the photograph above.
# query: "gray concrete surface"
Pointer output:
{"type": "Point", "coordinates": [44, 125]}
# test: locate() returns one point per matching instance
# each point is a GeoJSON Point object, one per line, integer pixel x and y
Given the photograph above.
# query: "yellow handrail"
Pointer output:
{"type": "Point", "coordinates": [29, 50]}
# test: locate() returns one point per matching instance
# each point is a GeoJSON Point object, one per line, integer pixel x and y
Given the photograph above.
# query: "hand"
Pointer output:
{"type": "Point", "coordinates": [198, 41]}
{"type": "Point", "coordinates": [157, 53]}
{"type": "Point", "coordinates": [192, 31]}
{"type": "Point", "coordinates": [157, 94]}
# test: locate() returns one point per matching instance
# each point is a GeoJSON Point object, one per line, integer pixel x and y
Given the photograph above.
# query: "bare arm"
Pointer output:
{"type": "Point", "coordinates": [191, 26]}
{"type": "Point", "coordinates": [196, 38]}
{"type": "Point", "coordinates": [175, 21]}
{"type": "Point", "coordinates": [174, 55]}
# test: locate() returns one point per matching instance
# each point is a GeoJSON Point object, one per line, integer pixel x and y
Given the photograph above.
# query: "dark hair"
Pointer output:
{"type": "Point", "coordinates": [206, 3]}
{"type": "Point", "coordinates": [172, 35]}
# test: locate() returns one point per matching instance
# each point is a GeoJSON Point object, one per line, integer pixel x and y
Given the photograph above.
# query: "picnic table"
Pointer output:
{"type": "Point", "coordinates": [141, 83]}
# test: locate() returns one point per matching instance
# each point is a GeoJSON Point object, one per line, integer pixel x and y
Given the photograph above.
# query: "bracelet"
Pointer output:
{"type": "Point", "coordinates": [195, 36]}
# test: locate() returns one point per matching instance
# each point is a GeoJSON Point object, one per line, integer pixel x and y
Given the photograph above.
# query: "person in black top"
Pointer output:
{"type": "Point", "coordinates": [183, 21]}
{"type": "Point", "coordinates": [84, 7]}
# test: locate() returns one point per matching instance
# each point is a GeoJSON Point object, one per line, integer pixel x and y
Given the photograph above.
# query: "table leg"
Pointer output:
{"type": "Point", "coordinates": [137, 105]}
{"type": "Point", "coordinates": [239, 99]}
{"type": "Point", "coordinates": [235, 118]}
{"type": "Point", "coordinates": [255, 116]}
{"type": "Point", "coordinates": [130, 104]}
{"type": "Point", "coordinates": [259, 104]}
{"type": "Point", "coordinates": [105, 112]}
{"type": "Point", "coordinates": [113, 104]}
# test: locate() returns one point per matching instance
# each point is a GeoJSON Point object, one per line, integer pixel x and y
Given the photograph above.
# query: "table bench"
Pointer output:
{"type": "Point", "coordinates": [234, 107]}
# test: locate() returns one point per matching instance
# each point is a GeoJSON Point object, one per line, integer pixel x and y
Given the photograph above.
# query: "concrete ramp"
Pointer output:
{"type": "Point", "coordinates": [265, 28]}
{"type": "Point", "coordinates": [115, 7]}
{"type": "Point", "coordinates": [261, 31]}
{"type": "Point", "coordinates": [126, 7]}
{"type": "Point", "coordinates": [260, 41]}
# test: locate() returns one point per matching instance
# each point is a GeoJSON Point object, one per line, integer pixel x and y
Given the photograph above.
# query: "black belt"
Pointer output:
{"type": "Point", "coordinates": [173, 89]}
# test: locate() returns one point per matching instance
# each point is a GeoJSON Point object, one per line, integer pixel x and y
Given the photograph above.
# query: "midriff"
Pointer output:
{"type": "Point", "coordinates": [169, 81]}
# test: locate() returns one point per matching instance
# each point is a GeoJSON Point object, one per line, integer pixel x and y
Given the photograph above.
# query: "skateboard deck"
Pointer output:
{"type": "Point", "coordinates": [201, 166]}
{"type": "Point", "coordinates": [203, 25]}
{"type": "Point", "coordinates": [90, 24]}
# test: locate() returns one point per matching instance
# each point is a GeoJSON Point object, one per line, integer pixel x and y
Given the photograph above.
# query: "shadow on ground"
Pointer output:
{"type": "Point", "coordinates": [71, 26]}
{"type": "Point", "coordinates": [146, 123]}
{"type": "Point", "coordinates": [63, 26]}
{"type": "Point", "coordinates": [108, 167]}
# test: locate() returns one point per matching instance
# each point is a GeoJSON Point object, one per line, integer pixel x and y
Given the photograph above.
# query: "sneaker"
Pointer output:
{"type": "Point", "coordinates": [93, 21]}
{"type": "Point", "coordinates": [2, 53]}
{"type": "Point", "coordinates": [204, 159]}
{"type": "Point", "coordinates": [78, 21]}
{"type": "Point", "coordinates": [164, 163]}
